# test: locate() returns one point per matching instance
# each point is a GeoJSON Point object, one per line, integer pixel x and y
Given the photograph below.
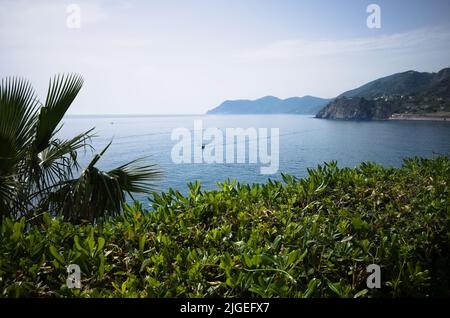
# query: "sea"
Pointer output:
{"type": "Point", "coordinates": [303, 142]}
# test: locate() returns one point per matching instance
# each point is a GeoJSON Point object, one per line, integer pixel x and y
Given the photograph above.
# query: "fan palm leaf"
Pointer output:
{"type": "Point", "coordinates": [134, 176]}
{"type": "Point", "coordinates": [58, 161]}
{"type": "Point", "coordinates": [18, 115]}
{"type": "Point", "coordinates": [97, 193]}
{"type": "Point", "coordinates": [37, 167]}
{"type": "Point", "coordinates": [18, 106]}
{"type": "Point", "coordinates": [61, 93]}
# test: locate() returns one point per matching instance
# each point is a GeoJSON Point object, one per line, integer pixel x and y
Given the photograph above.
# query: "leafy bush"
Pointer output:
{"type": "Point", "coordinates": [311, 237]}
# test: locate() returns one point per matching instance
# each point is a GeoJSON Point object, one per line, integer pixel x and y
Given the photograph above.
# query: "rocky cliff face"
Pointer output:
{"type": "Point", "coordinates": [409, 93]}
{"type": "Point", "coordinates": [356, 108]}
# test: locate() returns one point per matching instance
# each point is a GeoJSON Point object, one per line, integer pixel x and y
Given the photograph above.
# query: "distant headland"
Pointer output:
{"type": "Point", "coordinates": [409, 95]}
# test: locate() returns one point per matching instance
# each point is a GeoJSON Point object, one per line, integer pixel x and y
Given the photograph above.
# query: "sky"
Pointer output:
{"type": "Point", "coordinates": [188, 56]}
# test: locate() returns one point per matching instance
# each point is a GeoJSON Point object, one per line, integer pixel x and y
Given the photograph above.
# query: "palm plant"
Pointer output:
{"type": "Point", "coordinates": [37, 167]}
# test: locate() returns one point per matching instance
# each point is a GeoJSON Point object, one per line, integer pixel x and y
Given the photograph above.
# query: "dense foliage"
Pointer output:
{"type": "Point", "coordinates": [311, 237]}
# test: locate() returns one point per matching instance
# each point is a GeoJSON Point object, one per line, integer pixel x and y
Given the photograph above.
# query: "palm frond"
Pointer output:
{"type": "Point", "coordinates": [61, 93]}
{"type": "Point", "coordinates": [97, 193]}
{"type": "Point", "coordinates": [93, 195]}
{"type": "Point", "coordinates": [137, 177]}
{"type": "Point", "coordinates": [18, 114]}
{"type": "Point", "coordinates": [18, 106]}
{"type": "Point", "coordinates": [58, 161]}
{"type": "Point", "coordinates": [37, 168]}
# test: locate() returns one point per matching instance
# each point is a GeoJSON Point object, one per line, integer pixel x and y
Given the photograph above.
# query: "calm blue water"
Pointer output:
{"type": "Point", "coordinates": [305, 142]}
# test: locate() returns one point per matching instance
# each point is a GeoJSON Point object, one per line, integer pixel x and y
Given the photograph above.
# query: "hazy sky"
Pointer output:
{"type": "Point", "coordinates": [169, 57]}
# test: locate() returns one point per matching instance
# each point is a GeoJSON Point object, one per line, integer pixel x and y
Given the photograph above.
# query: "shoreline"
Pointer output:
{"type": "Point", "coordinates": [438, 116]}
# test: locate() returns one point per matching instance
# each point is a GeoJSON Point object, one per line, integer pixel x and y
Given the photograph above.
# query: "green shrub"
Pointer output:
{"type": "Point", "coordinates": [311, 237]}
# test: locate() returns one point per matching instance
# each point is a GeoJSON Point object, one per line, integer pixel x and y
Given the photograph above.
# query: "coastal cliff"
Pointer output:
{"type": "Point", "coordinates": [408, 95]}
{"type": "Point", "coordinates": [356, 108]}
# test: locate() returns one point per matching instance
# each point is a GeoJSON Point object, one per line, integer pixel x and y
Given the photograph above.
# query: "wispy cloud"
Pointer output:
{"type": "Point", "coordinates": [290, 49]}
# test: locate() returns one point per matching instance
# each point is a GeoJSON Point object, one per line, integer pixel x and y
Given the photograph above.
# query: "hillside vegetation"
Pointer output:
{"type": "Point", "coordinates": [406, 83]}
{"type": "Point", "coordinates": [407, 94]}
{"type": "Point", "coordinates": [306, 105]}
{"type": "Point", "coordinates": [311, 237]}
